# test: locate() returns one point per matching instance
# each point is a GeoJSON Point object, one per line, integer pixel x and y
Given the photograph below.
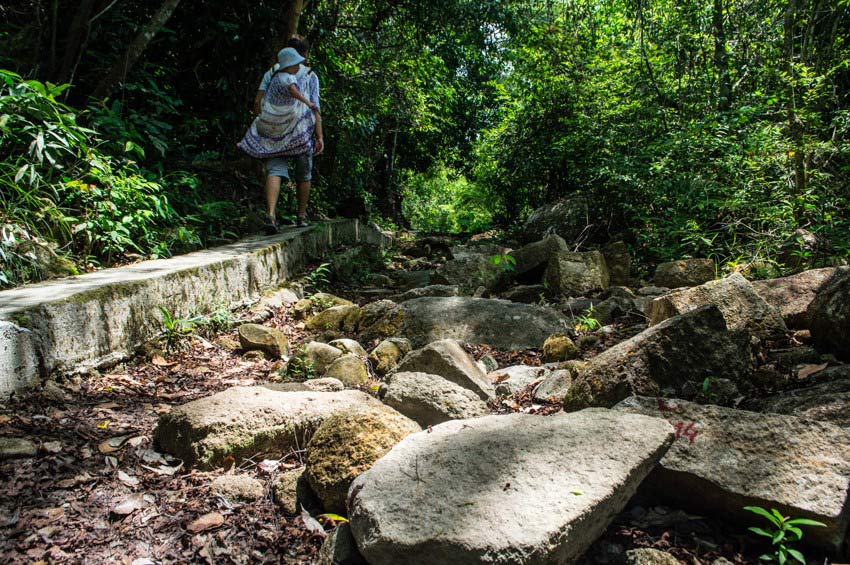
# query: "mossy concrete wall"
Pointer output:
{"type": "Point", "coordinates": [75, 323]}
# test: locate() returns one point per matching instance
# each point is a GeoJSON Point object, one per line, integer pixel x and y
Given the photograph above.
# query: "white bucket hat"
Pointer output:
{"type": "Point", "coordinates": [288, 57]}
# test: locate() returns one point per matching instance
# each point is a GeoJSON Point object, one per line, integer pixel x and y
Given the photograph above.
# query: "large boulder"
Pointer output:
{"type": "Point", "coordinates": [736, 299]}
{"type": "Point", "coordinates": [243, 421]}
{"type": "Point", "coordinates": [577, 274]}
{"type": "Point", "coordinates": [535, 256]}
{"type": "Point", "coordinates": [734, 458]}
{"type": "Point", "coordinates": [568, 218]}
{"type": "Point", "coordinates": [430, 399]}
{"type": "Point", "coordinates": [447, 359]}
{"type": "Point", "coordinates": [346, 445]}
{"type": "Point", "coordinates": [503, 489]}
{"type": "Point", "coordinates": [791, 296]}
{"type": "Point", "coordinates": [829, 316]}
{"type": "Point", "coordinates": [686, 348]}
{"type": "Point", "coordinates": [501, 324]}
{"type": "Point", "coordinates": [684, 272]}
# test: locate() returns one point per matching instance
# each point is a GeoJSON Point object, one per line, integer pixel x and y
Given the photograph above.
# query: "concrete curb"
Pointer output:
{"type": "Point", "coordinates": [75, 323]}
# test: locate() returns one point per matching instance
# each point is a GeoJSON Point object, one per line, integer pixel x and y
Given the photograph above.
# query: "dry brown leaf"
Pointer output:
{"type": "Point", "coordinates": [160, 361]}
{"type": "Point", "coordinates": [129, 505]}
{"type": "Point", "coordinates": [128, 480]}
{"type": "Point", "coordinates": [113, 444]}
{"type": "Point", "coordinates": [52, 446]}
{"type": "Point", "coordinates": [107, 406]}
{"type": "Point", "coordinates": [206, 522]}
{"type": "Point", "coordinates": [809, 370]}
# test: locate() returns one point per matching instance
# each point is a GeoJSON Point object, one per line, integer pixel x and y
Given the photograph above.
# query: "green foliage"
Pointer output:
{"type": "Point", "coordinates": [586, 322]}
{"type": "Point", "coordinates": [506, 261]}
{"type": "Point", "coordinates": [783, 532]}
{"type": "Point", "coordinates": [175, 330]}
{"type": "Point", "coordinates": [441, 200]}
{"type": "Point", "coordinates": [300, 367]}
{"type": "Point", "coordinates": [318, 279]}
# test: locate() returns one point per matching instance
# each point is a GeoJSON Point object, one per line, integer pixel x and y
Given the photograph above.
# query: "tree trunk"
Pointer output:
{"type": "Point", "coordinates": [721, 58]}
{"type": "Point", "coordinates": [795, 124]}
{"type": "Point", "coordinates": [125, 62]}
{"type": "Point", "coordinates": [290, 22]}
{"type": "Point", "coordinates": [74, 40]}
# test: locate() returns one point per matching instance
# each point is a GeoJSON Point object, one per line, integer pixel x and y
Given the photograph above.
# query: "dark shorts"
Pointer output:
{"type": "Point", "coordinates": [279, 167]}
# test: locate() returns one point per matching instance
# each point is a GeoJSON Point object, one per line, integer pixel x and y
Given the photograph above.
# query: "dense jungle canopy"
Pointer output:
{"type": "Point", "coordinates": [716, 128]}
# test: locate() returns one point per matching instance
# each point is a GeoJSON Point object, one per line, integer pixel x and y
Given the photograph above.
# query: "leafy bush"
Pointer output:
{"type": "Point", "coordinates": [441, 200]}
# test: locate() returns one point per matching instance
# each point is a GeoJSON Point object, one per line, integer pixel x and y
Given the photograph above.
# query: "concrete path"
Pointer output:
{"type": "Point", "coordinates": [96, 319]}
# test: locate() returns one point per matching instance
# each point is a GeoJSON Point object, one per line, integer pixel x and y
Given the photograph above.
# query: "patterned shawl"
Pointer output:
{"type": "Point", "coordinates": [284, 127]}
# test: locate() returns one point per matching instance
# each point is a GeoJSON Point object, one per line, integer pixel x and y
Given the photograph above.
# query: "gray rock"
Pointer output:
{"type": "Point", "coordinates": [472, 267]}
{"type": "Point", "coordinates": [430, 290]}
{"type": "Point", "coordinates": [513, 379]}
{"type": "Point", "coordinates": [262, 338]}
{"type": "Point", "coordinates": [559, 347]}
{"type": "Point", "coordinates": [577, 274]}
{"type": "Point", "coordinates": [568, 218]}
{"type": "Point", "coordinates": [447, 359]}
{"type": "Point", "coordinates": [387, 354]}
{"type": "Point", "coordinates": [791, 296]}
{"type": "Point", "coordinates": [430, 399]}
{"type": "Point", "coordinates": [829, 316]}
{"type": "Point", "coordinates": [325, 384]}
{"type": "Point", "coordinates": [735, 458]}
{"type": "Point", "coordinates": [16, 448]}
{"type": "Point", "coordinates": [685, 272]}
{"type": "Point", "coordinates": [614, 307]}
{"type": "Point", "coordinates": [501, 324]}
{"type": "Point", "coordinates": [555, 387]}
{"type": "Point", "coordinates": [503, 489]}
{"type": "Point", "coordinates": [339, 548]}
{"type": "Point", "coordinates": [488, 363]}
{"type": "Point", "coordinates": [689, 347]}
{"type": "Point", "coordinates": [827, 401]}
{"type": "Point", "coordinates": [349, 369]}
{"type": "Point", "coordinates": [526, 294]}
{"type": "Point", "coordinates": [320, 355]}
{"type": "Point", "coordinates": [292, 493]}
{"type": "Point", "coordinates": [413, 279]}
{"type": "Point", "coordinates": [736, 299]}
{"type": "Point", "coordinates": [380, 320]}
{"type": "Point", "coordinates": [348, 346]}
{"type": "Point", "coordinates": [241, 487]}
{"type": "Point", "coordinates": [336, 318]}
{"type": "Point", "coordinates": [619, 262]}
{"type": "Point", "coordinates": [536, 255]}
{"type": "Point", "coordinates": [244, 421]}
{"type": "Point", "coordinates": [647, 556]}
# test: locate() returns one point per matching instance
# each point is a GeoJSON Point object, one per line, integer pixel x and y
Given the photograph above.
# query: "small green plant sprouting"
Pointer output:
{"type": "Point", "coordinates": [219, 320]}
{"type": "Point", "coordinates": [587, 322]}
{"type": "Point", "coordinates": [318, 278]}
{"type": "Point", "coordinates": [706, 391]}
{"type": "Point", "coordinates": [784, 532]}
{"type": "Point", "coordinates": [300, 366]}
{"type": "Point", "coordinates": [507, 262]}
{"type": "Point", "coordinates": [175, 329]}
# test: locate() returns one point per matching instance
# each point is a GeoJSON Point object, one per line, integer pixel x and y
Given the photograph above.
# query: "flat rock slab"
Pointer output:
{"type": "Point", "coordinates": [734, 458]}
{"type": "Point", "coordinates": [242, 421]}
{"type": "Point", "coordinates": [430, 399]}
{"type": "Point", "coordinates": [503, 489]}
{"type": "Point", "coordinates": [827, 401]}
{"type": "Point", "coordinates": [504, 325]}
{"type": "Point", "coordinates": [736, 298]}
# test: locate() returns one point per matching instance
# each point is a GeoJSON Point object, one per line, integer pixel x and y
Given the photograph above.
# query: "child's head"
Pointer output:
{"type": "Point", "coordinates": [289, 59]}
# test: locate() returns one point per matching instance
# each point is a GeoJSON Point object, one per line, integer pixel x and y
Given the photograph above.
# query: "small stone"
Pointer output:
{"type": "Point", "coordinates": [53, 392]}
{"type": "Point", "coordinates": [285, 491]}
{"type": "Point", "coordinates": [559, 347]}
{"type": "Point", "coordinates": [430, 400]}
{"type": "Point", "coordinates": [489, 362]}
{"type": "Point", "coordinates": [350, 369]}
{"type": "Point", "coordinates": [348, 346]}
{"type": "Point", "coordinates": [586, 341]}
{"type": "Point", "coordinates": [326, 384]}
{"type": "Point", "coordinates": [270, 340]}
{"type": "Point", "coordinates": [321, 355]}
{"type": "Point", "coordinates": [227, 343]}
{"type": "Point", "coordinates": [302, 308]}
{"type": "Point", "coordinates": [449, 360]}
{"type": "Point", "coordinates": [254, 355]}
{"type": "Point", "coordinates": [238, 488]}
{"type": "Point", "coordinates": [336, 318]}
{"type": "Point", "coordinates": [647, 556]}
{"type": "Point", "coordinates": [16, 448]}
{"type": "Point", "coordinates": [339, 548]}
{"type": "Point", "coordinates": [685, 272]}
{"type": "Point", "coordinates": [555, 387]}
{"type": "Point", "coordinates": [387, 354]}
